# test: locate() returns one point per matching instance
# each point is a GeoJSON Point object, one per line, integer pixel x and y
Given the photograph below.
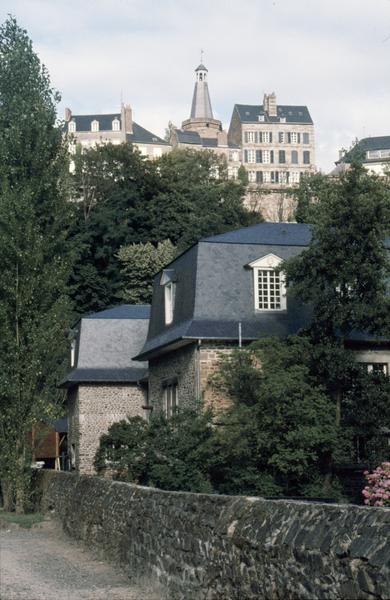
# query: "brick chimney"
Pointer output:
{"type": "Point", "coordinates": [127, 119]}
{"type": "Point", "coordinates": [269, 104]}
{"type": "Point", "coordinates": [68, 114]}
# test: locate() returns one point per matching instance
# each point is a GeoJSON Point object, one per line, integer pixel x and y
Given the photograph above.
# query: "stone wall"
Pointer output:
{"type": "Point", "coordinates": [200, 546]}
{"type": "Point", "coordinates": [92, 409]}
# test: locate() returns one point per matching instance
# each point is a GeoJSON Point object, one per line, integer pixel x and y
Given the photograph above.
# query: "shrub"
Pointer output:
{"type": "Point", "coordinates": [377, 492]}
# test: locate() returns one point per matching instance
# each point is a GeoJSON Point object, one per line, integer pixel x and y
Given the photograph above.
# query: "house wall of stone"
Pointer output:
{"type": "Point", "coordinates": [193, 366]}
{"type": "Point", "coordinates": [93, 408]}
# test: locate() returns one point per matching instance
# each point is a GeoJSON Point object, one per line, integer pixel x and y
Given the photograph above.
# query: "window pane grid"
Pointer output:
{"type": "Point", "coordinates": [269, 290]}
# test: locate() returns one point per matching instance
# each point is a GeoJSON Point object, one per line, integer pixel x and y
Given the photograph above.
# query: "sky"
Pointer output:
{"type": "Point", "coordinates": [332, 56]}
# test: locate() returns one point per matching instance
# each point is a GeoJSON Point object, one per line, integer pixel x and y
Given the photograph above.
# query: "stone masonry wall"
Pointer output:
{"type": "Point", "coordinates": [200, 546]}
{"type": "Point", "coordinates": [210, 356]}
{"type": "Point", "coordinates": [180, 364]}
{"type": "Point", "coordinates": [91, 412]}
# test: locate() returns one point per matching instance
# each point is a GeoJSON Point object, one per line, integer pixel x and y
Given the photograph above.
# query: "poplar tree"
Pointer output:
{"type": "Point", "coordinates": [35, 261]}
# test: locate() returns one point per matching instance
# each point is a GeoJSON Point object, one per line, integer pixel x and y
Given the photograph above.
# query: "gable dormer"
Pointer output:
{"type": "Point", "coordinates": [269, 283]}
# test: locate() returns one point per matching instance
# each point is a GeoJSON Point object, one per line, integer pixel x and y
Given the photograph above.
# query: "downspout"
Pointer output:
{"type": "Point", "coordinates": [197, 372]}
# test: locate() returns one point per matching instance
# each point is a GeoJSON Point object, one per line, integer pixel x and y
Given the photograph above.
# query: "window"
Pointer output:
{"type": "Point", "coordinates": [72, 126]}
{"type": "Point", "coordinates": [377, 368]}
{"type": "Point", "coordinates": [293, 137]}
{"type": "Point", "coordinates": [306, 157]}
{"type": "Point", "coordinates": [251, 156]}
{"type": "Point", "coordinates": [274, 176]}
{"type": "Point", "coordinates": [294, 157]}
{"type": "Point", "coordinates": [282, 156]}
{"type": "Point", "coordinates": [116, 125]}
{"type": "Point", "coordinates": [169, 301]}
{"type": "Point", "coordinates": [95, 125]}
{"type": "Point", "coordinates": [266, 156]}
{"type": "Point", "coordinates": [259, 156]}
{"type": "Point", "coordinates": [284, 176]}
{"type": "Point", "coordinates": [232, 172]}
{"type": "Point", "coordinates": [266, 137]}
{"type": "Point", "coordinates": [157, 152]}
{"type": "Point", "coordinates": [234, 156]}
{"type": "Point", "coordinates": [282, 137]}
{"type": "Point", "coordinates": [305, 137]}
{"type": "Point", "coordinates": [251, 176]}
{"type": "Point", "coordinates": [294, 177]}
{"type": "Point", "coordinates": [170, 397]}
{"type": "Point", "coordinates": [73, 353]}
{"type": "Point", "coordinates": [269, 284]}
{"type": "Point", "coordinates": [259, 176]}
{"type": "Point", "coordinates": [143, 150]}
{"type": "Point", "coordinates": [250, 137]}
{"type": "Point", "coordinates": [266, 177]}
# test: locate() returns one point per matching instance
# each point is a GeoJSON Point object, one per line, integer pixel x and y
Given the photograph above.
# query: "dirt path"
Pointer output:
{"type": "Point", "coordinates": [42, 564]}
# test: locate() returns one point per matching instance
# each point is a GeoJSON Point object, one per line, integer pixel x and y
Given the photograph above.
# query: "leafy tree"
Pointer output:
{"type": "Point", "coordinates": [280, 428]}
{"type": "Point", "coordinates": [342, 275]}
{"type": "Point", "coordinates": [34, 222]}
{"type": "Point", "coordinates": [139, 263]}
{"type": "Point", "coordinates": [172, 454]}
{"type": "Point", "coordinates": [125, 199]}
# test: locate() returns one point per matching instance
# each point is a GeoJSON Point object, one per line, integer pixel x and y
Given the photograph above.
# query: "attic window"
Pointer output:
{"type": "Point", "coordinates": [95, 125]}
{"type": "Point", "coordinates": [247, 113]}
{"type": "Point", "coordinates": [72, 126]}
{"type": "Point", "coordinates": [168, 280]}
{"type": "Point", "coordinates": [282, 119]}
{"type": "Point", "coordinates": [116, 125]}
{"type": "Point", "coordinates": [269, 284]}
{"type": "Point", "coordinates": [261, 118]}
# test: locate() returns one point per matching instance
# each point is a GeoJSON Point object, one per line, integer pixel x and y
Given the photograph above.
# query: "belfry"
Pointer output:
{"type": "Point", "coordinates": [202, 118]}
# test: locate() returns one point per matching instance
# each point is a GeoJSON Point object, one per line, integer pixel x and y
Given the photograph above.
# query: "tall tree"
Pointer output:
{"type": "Point", "coordinates": [343, 275]}
{"type": "Point", "coordinates": [125, 199]}
{"type": "Point", "coordinates": [34, 221]}
{"type": "Point", "coordinates": [139, 263]}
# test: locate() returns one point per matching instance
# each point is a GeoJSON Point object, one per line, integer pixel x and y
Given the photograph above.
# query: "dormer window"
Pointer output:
{"type": "Point", "coordinates": [95, 125]}
{"type": "Point", "coordinates": [73, 353]}
{"type": "Point", "coordinates": [168, 280]}
{"type": "Point", "coordinates": [116, 126]}
{"type": "Point", "coordinates": [269, 284]}
{"type": "Point", "coordinates": [72, 126]}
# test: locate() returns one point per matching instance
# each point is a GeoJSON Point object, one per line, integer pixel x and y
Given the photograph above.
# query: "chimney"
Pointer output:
{"type": "Point", "coordinates": [269, 104]}
{"type": "Point", "coordinates": [68, 114]}
{"type": "Point", "coordinates": [127, 119]}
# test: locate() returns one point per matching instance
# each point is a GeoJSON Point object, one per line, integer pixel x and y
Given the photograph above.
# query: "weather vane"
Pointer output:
{"type": "Point", "coordinates": [201, 56]}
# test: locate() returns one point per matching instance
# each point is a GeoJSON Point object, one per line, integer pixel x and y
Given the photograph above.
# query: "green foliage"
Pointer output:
{"type": "Point", "coordinates": [280, 426]}
{"type": "Point", "coordinates": [126, 199]}
{"type": "Point", "coordinates": [172, 454]}
{"type": "Point", "coordinates": [139, 263]}
{"type": "Point", "coordinates": [343, 272]}
{"type": "Point", "coordinates": [34, 223]}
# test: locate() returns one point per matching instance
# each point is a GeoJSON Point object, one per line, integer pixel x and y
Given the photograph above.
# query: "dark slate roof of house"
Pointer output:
{"type": "Point", "coordinates": [293, 114]}
{"type": "Point", "coordinates": [364, 145]}
{"type": "Point", "coordinates": [123, 311]}
{"type": "Point", "coordinates": [188, 137]}
{"type": "Point", "coordinates": [210, 142]}
{"type": "Point", "coordinates": [279, 234]}
{"type": "Point", "coordinates": [201, 68]}
{"type": "Point", "coordinates": [140, 134]}
{"type": "Point", "coordinates": [214, 289]}
{"type": "Point", "coordinates": [106, 343]}
{"type": "Point", "coordinates": [130, 375]}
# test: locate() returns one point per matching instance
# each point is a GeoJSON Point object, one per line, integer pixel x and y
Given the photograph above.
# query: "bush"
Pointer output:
{"type": "Point", "coordinates": [377, 492]}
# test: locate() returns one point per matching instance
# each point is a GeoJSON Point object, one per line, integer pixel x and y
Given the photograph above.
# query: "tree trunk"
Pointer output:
{"type": "Point", "coordinates": [7, 491]}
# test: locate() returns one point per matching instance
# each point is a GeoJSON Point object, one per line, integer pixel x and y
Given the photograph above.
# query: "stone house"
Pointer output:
{"type": "Point", "coordinates": [105, 384]}
{"type": "Point", "coordinates": [115, 128]}
{"type": "Point", "coordinates": [223, 292]}
{"type": "Point", "coordinates": [374, 152]}
{"type": "Point", "coordinates": [278, 148]}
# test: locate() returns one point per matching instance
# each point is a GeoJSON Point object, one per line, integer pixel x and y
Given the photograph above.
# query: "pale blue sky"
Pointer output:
{"type": "Point", "coordinates": [333, 56]}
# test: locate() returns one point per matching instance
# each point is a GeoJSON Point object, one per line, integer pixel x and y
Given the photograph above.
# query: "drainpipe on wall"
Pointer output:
{"type": "Point", "coordinates": [239, 335]}
{"type": "Point", "coordinates": [197, 374]}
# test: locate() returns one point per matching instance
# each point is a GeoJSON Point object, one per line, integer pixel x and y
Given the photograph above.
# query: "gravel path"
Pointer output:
{"type": "Point", "coordinates": [43, 564]}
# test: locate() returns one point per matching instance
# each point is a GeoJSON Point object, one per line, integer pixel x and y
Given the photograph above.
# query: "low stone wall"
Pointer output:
{"type": "Point", "coordinates": [200, 546]}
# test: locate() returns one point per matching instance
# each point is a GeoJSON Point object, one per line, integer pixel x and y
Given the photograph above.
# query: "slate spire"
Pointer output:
{"type": "Point", "coordinates": [201, 104]}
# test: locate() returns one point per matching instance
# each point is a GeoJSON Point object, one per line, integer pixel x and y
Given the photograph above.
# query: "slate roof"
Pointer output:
{"type": "Point", "coordinates": [214, 290]}
{"type": "Point", "coordinates": [364, 145]}
{"type": "Point", "coordinates": [140, 134]}
{"type": "Point", "coordinates": [293, 114]}
{"type": "Point", "coordinates": [193, 137]}
{"type": "Point", "coordinates": [106, 342]}
{"type": "Point", "coordinates": [201, 68]}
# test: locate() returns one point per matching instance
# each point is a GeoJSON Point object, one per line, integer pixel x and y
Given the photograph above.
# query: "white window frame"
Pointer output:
{"type": "Point", "coordinates": [94, 125]}
{"type": "Point", "coordinates": [251, 156]}
{"type": "Point", "coordinates": [267, 266]}
{"type": "Point", "coordinates": [116, 125]}
{"type": "Point", "coordinates": [73, 352]}
{"type": "Point", "coordinates": [370, 366]}
{"type": "Point", "coordinates": [266, 177]}
{"type": "Point", "coordinates": [72, 127]}
{"type": "Point", "coordinates": [266, 157]}
{"type": "Point", "coordinates": [169, 301]}
{"type": "Point", "coordinates": [294, 176]}
{"type": "Point", "coordinates": [294, 137]}
{"type": "Point", "coordinates": [265, 137]}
